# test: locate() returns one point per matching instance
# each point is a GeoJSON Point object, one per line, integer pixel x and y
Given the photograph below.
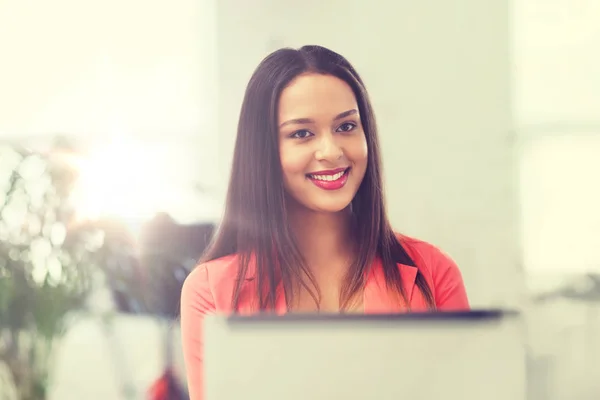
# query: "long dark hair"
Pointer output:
{"type": "Point", "coordinates": [255, 224]}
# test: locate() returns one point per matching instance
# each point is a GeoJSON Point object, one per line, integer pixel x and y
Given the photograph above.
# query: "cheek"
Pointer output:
{"type": "Point", "coordinates": [293, 160]}
{"type": "Point", "coordinates": [358, 151]}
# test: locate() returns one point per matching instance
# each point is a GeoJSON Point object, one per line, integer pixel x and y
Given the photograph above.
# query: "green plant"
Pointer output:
{"type": "Point", "coordinates": [47, 264]}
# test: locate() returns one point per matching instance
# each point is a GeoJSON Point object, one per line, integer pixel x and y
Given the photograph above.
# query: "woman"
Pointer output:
{"type": "Point", "coordinates": [305, 227]}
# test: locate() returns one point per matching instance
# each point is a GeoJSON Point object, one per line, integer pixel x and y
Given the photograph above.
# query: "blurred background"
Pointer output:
{"type": "Point", "coordinates": [117, 124]}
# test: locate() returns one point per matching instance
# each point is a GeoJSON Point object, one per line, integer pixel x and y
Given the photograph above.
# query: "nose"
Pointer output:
{"type": "Point", "coordinates": [328, 149]}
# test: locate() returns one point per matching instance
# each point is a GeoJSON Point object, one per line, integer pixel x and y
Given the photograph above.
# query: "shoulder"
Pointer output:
{"type": "Point", "coordinates": [426, 256]}
{"type": "Point", "coordinates": [439, 269]}
{"type": "Point", "coordinates": [210, 284]}
{"type": "Point", "coordinates": [205, 291]}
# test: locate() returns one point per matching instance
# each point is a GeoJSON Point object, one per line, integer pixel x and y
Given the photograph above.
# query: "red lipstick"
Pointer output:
{"type": "Point", "coordinates": [331, 179]}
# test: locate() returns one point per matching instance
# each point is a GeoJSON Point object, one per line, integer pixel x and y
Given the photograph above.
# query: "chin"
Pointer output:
{"type": "Point", "coordinates": [315, 200]}
{"type": "Point", "coordinates": [329, 207]}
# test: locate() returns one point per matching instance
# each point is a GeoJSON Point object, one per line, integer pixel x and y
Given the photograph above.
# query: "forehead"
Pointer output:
{"type": "Point", "coordinates": [313, 95]}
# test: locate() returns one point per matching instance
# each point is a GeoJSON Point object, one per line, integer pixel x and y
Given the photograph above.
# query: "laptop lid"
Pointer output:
{"type": "Point", "coordinates": [457, 355]}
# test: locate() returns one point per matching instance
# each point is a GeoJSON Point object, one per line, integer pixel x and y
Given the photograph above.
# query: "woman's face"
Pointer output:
{"type": "Point", "coordinates": [322, 145]}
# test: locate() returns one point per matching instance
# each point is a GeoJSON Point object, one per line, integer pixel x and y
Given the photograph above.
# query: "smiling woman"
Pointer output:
{"type": "Point", "coordinates": [305, 227]}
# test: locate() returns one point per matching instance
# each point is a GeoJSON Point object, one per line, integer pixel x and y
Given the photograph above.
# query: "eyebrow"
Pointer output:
{"type": "Point", "coordinates": [309, 121]}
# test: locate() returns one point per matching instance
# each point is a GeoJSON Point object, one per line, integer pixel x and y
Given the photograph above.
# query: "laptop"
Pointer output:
{"type": "Point", "coordinates": [450, 355]}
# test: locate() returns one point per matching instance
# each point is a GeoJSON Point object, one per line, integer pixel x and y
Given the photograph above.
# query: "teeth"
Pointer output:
{"type": "Point", "coordinates": [328, 177]}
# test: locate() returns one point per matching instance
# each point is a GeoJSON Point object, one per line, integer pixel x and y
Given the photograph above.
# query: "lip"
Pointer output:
{"type": "Point", "coordinates": [331, 185]}
{"type": "Point", "coordinates": [328, 171]}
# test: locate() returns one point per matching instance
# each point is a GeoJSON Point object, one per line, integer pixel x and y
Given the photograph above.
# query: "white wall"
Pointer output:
{"type": "Point", "coordinates": [102, 67]}
{"type": "Point", "coordinates": [556, 48]}
{"type": "Point", "coordinates": [135, 70]}
{"type": "Point", "coordinates": [439, 77]}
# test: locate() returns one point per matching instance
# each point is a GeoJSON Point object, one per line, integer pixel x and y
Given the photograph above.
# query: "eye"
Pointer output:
{"type": "Point", "coordinates": [301, 134]}
{"type": "Point", "coordinates": [346, 127]}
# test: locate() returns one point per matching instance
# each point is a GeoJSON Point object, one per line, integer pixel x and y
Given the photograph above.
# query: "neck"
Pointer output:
{"type": "Point", "coordinates": [325, 239]}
